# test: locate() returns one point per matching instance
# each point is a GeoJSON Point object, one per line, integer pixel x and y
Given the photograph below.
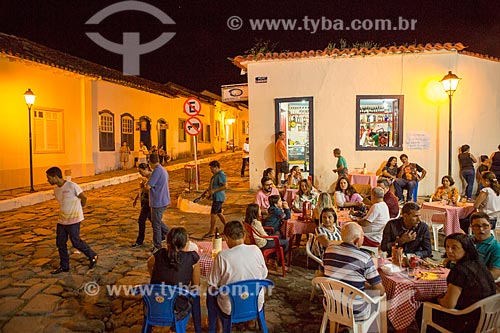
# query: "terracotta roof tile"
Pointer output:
{"type": "Point", "coordinates": [459, 47]}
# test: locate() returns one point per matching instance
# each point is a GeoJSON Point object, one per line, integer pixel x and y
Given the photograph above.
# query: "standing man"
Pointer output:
{"type": "Point", "coordinates": [486, 245]}
{"type": "Point", "coordinates": [217, 192]}
{"type": "Point", "coordinates": [281, 158]}
{"type": "Point", "coordinates": [71, 201]}
{"type": "Point", "coordinates": [143, 153]}
{"type": "Point", "coordinates": [124, 155]}
{"type": "Point", "coordinates": [240, 262]}
{"type": "Point", "coordinates": [408, 176]}
{"type": "Point", "coordinates": [389, 198]}
{"type": "Point", "coordinates": [159, 199]}
{"type": "Point", "coordinates": [408, 232]}
{"type": "Point", "coordinates": [143, 196]}
{"type": "Point", "coordinates": [341, 163]}
{"type": "Point", "coordinates": [246, 157]}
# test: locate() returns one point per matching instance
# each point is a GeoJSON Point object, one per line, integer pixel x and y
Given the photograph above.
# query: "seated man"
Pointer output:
{"type": "Point", "coordinates": [376, 218]}
{"type": "Point", "coordinates": [262, 196]}
{"type": "Point", "coordinates": [407, 231]}
{"type": "Point", "coordinates": [347, 263]}
{"type": "Point", "coordinates": [229, 267]}
{"type": "Point", "coordinates": [389, 198]}
{"type": "Point", "coordinates": [486, 245]}
{"type": "Point", "coordinates": [408, 176]}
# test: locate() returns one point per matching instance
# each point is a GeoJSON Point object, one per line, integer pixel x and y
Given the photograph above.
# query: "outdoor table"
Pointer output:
{"type": "Point", "coordinates": [294, 226]}
{"type": "Point", "coordinates": [343, 217]}
{"type": "Point", "coordinates": [289, 195]}
{"type": "Point", "coordinates": [206, 260]}
{"type": "Point", "coordinates": [406, 294]}
{"type": "Point", "coordinates": [369, 178]}
{"type": "Point", "coordinates": [453, 214]}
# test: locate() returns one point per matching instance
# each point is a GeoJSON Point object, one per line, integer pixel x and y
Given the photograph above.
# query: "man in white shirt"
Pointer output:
{"type": "Point", "coordinates": [240, 262]}
{"type": "Point", "coordinates": [375, 220]}
{"type": "Point", "coordinates": [246, 157]}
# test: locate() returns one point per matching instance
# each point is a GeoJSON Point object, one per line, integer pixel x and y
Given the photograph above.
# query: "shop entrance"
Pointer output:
{"type": "Point", "coordinates": [294, 116]}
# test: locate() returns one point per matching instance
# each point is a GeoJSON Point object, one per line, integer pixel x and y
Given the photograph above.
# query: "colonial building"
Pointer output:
{"type": "Point", "coordinates": [83, 111]}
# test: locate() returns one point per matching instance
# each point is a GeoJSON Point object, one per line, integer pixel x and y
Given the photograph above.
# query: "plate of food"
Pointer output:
{"type": "Point", "coordinates": [390, 269]}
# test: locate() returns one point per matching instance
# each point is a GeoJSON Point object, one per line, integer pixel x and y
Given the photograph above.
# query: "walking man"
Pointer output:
{"type": "Point", "coordinates": [246, 157]}
{"type": "Point", "coordinates": [71, 201]}
{"type": "Point", "coordinates": [281, 158]}
{"type": "Point", "coordinates": [217, 192]}
{"type": "Point", "coordinates": [143, 197]}
{"type": "Point", "coordinates": [159, 199]}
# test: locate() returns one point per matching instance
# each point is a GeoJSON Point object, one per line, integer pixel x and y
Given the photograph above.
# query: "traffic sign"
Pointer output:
{"type": "Point", "coordinates": [193, 126]}
{"type": "Point", "coordinates": [192, 106]}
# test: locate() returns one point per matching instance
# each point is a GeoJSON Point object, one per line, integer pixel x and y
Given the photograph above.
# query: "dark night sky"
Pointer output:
{"type": "Point", "coordinates": [197, 55]}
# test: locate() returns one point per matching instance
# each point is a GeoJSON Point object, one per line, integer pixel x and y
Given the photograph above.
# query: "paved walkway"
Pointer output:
{"type": "Point", "coordinates": [32, 300]}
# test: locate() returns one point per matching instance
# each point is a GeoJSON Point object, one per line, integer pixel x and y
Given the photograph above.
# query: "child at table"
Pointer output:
{"type": "Point", "coordinates": [278, 212]}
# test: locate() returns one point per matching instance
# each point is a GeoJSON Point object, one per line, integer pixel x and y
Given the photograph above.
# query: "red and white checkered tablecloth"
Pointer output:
{"type": "Point", "coordinates": [405, 295]}
{"type": "Point", "coordinates": [205, 252]}
{"type": "Point", "coordinates": [294, 226]}
{"type": "Point", "coordinates": [453, 215]}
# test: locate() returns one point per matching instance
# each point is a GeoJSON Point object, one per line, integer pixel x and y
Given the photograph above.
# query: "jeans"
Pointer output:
{"type": "Point", "coordinates": [270, 245]}
{"type": "Point", "coordinates": [244, 163]}
{"type": "Point", "coordinates": [213, 312]}
{"type": "Point", "coordinates": [469, 176]}
{"type": "Point", "coordinates": [400, 184]}
{"type": "Point", "coordinates": [144, 215]}
{"type": "Point", "coordinates": [72, 231]}
{"type": "Point", "coordinates": [159, 228]}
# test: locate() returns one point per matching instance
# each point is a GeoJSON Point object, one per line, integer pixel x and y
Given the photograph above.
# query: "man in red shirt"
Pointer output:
{"type": "Point", "coordinates": [389, 198]}
{"type": "Point", "coordinates": [281, 157]}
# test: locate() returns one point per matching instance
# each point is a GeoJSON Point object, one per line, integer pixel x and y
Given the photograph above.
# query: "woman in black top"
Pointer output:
{"type": "Point", "coordinates": [466, 161]}
{"type": "Point", "coordinates": [469, 281]}
{"type": "Point", "coordinates": [495, 163]}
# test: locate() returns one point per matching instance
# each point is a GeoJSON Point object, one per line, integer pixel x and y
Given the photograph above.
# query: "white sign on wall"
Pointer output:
{"type": "Point", "coordinates": [234, 92]}
{"type": "Point", "coordinates": [418, 140]}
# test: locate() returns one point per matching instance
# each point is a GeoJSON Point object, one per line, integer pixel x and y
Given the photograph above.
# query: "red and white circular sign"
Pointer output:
{"type": "Point", "coordinates": [192, 106]}
{"type": "Point", "coordinates": [193, 126]}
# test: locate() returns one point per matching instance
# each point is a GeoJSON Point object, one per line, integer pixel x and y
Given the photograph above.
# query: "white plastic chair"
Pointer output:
{"type": "Point", "coordinates": [338, 305]}
{"type": "Point", "coordinates": [435, 219]}
{"type": "Point", "coordinates": [488, 320]}
{"type": "Point", "coordinates": [310, 241]}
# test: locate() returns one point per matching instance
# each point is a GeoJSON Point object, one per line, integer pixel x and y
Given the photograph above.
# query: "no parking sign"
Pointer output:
{"type": "Point", "coordinates": [192, 106]}
{"type": "Point", "coordinates": [193, 126]}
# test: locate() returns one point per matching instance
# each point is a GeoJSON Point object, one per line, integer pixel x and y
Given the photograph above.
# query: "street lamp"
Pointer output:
{"type": "Point", "coordinates": [29, 97]}
{"type": "Point", "coordinates": [231, 121]}
{"type": "Point", "coordinates": [450, 83]}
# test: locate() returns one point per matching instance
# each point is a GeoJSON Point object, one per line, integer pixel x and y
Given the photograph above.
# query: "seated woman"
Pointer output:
{"type": "Point", "coordinates": [390, 171]}
{"type": "Point", "coordinates": [269, 172]}
{"type": "Point", "coordinates": [345, 195]}
{"type": "Point", "coordinates": [488, 200]}
{"type": "Point", "coordinates": [305, 193]}
{"type": "Point", "coordinates": [174, 266]}
{"type": "Point", "coordinates": [469, 281]}
{"type": "Point", "coordinates": [327, 232]}
{"type": "Point", "coordinates": [294, 177]}
{"type": "Point", "coordinates": [252, 215]}
{"type": "Point", "coordinates": [446, 191]}
{"type": "Point", "coordinates": [278, 212]}
{"type": "Point", "coordinates": [324, 201]}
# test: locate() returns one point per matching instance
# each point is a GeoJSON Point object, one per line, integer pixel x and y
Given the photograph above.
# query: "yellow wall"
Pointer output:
{"type": "Point", "coordinates": [334, 84]}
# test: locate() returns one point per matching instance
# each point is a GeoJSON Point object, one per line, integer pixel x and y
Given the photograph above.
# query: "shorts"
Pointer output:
{"type": "Point", "coordinates": [216, 207]}
{"type": "Point", "coordinates": [282, 167]}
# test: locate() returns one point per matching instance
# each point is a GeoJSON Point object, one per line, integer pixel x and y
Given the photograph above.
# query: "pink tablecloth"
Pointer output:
{"type": "Point", "coordinates": [360, 178]}
{"type": "Point", "coordinates": [453, 214]}
{"type": "Point", "coordinates": [405, 295]}
{"type": "Point", "coordinates": [289, 195]}
{"type": "Point", "coordinates": [294, 226]}
{"type": "Point", "coordinates": [205, 252]}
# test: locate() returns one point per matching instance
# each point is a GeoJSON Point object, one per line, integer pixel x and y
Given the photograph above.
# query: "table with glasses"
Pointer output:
{"type": "Point", "coordinates": [405, 295]}
{"type": "Point", "coordinates": [296, 226]}
{"type": "Point", "coordinates": [206, 260]}
{"type": "Point", "coordinates": [453, 214]}
{"type": "Point", "coordinates": [369, 178]}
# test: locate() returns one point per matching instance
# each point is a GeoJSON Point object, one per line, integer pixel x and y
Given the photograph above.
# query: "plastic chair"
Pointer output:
{"type": "Point", "coordinates": [244, 297]}
{"type": "Point", "coordinates": [159, 301]}
{"type": "Point", "coordinates": [338, 305]}
{"type": "Point", "coordinates": [488, 320]}
{"type": "Point", "coordinates": [280, 255]}
{"type": "Point", "coordinates": [435, 219]}
{"type": "Point", "coordinates": [310, 241]}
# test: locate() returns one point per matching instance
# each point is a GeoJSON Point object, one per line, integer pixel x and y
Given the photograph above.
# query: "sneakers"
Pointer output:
{"type": "Point", "coordinates": [136, 245]}
{"type": "Point", "coordinates": [401, 202]}
{"type": "Point", "coordinates": [59, 270]}
{"type": "Point", "coordinates": [93, 262]}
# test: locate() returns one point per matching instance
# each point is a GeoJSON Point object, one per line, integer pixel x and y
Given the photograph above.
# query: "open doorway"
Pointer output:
{"type": "Point", "coordinates": [294, 116]}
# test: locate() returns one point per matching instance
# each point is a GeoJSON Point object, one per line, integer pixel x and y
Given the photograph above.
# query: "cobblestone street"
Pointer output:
{"type": "Point", "coordinates": [33, 300]}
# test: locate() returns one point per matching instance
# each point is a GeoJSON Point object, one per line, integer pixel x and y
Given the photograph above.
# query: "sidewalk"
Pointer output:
{"type": "Point", "coordinates": [20, 197]}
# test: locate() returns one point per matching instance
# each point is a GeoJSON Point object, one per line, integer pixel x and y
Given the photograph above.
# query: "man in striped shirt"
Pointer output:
{"type": "Point", "coordinates": [348, 263]}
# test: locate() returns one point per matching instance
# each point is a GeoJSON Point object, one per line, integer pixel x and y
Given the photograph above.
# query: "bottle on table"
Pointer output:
{"type": "Point", "coordinates": [364, 169]}
{"type": "Point", "coordinates": [216, 243]}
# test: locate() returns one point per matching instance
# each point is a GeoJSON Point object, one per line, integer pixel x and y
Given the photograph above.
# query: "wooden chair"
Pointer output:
{"type": "Point", "coordinates": [277, 249]}
{"type": "Point", "coordinates": [338, 305]}
{"type": "Point", "coordinates": [488, 320]}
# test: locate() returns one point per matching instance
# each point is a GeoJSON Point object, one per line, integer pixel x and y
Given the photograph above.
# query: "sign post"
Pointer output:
{"type": "Point", "coordinates": [193, 127]}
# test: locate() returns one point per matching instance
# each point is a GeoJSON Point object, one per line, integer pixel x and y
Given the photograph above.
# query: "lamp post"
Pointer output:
{"type": "Point", "coordinates": [450, 83]}
{"type": "Point", "coordinates": [29, 97]}
{"type": "Point", "coordinates": [231, 121]}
